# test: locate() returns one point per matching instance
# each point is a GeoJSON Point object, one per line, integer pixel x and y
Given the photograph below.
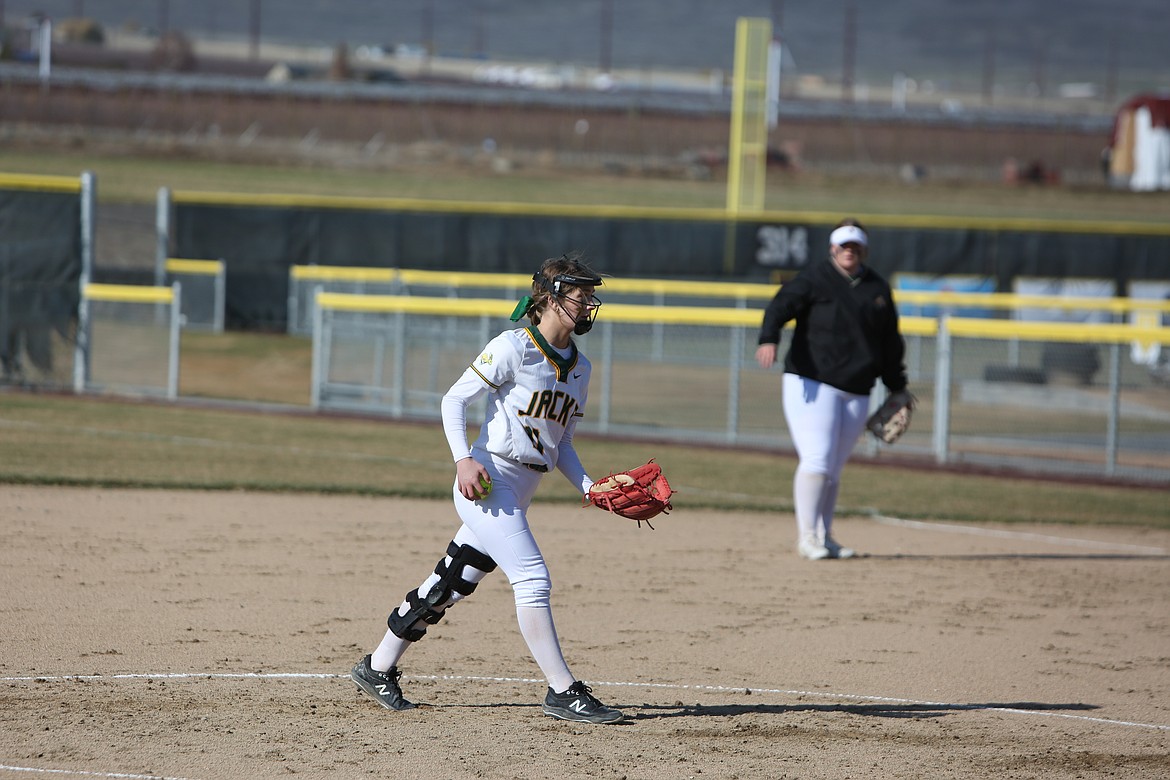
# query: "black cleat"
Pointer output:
{"type": "Point", "coordinates": [382, 687]}
{"type": "Point", "coordinates": [579, 704]}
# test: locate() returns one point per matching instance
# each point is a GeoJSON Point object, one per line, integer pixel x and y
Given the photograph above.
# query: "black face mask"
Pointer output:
{"type": "Point", "coordinates": [555, 288]}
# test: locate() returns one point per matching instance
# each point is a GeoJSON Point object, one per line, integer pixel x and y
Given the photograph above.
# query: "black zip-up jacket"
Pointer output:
{"type": "Point", "coordinates": [846, 329]}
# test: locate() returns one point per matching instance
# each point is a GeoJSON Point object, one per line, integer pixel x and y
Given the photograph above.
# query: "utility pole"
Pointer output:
{"type": "Point", "coordinates": [1040, 66]}
{"type": "Point", "coordinates": [775, 61]}
{"type": "Point", "coordinates": [479, 46]}
{"type": "Point", "coordinates": [989, 66]}
{"type": "Point", "coordinates": [428, 27]}
{"type": "Point", "coordinates": [850, 53]}
{"type": "Point", "coordinates": [428, 34]}
{"type": "Point", "coordinates": [1111, 70]}
{"type": "Point", "coordinates": [605, 61]}
{"type": "Point", "coordinates": [254, 30]}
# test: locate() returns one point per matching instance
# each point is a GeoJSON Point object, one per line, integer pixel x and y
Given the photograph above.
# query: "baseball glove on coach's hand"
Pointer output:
{"type": "Point", "coordinates": [892, 419]}
{"type": "Point", "coordinates": [638, 494]}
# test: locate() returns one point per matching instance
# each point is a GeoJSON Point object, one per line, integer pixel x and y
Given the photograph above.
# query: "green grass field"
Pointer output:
{"type": "Point", "coordinates": [68, 441]}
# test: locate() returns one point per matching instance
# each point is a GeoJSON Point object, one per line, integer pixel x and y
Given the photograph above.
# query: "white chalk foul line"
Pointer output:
{"type": "Point", "coordinates": [535, 681]}
{"type": "Point", "coordinates": [1005, 534]}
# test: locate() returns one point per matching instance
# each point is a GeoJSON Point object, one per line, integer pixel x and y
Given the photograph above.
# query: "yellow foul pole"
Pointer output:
{"type": "Point", "coordinates": [748, 149]}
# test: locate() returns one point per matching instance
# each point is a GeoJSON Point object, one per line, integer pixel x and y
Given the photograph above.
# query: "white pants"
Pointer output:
{"type": "Point", "coordinates": [825, 424]}
{"type": "Point", "coordinates": [498, 526]}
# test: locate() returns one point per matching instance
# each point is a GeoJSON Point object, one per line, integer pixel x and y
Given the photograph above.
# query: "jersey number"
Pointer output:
{"type": "Point", "coordinates": [781, 247]}
{"type": "Point", "coordinates": [534, 437]}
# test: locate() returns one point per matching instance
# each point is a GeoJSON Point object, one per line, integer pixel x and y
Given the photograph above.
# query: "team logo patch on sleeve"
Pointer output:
{"type": "Point", "coordinates": [485, 359]}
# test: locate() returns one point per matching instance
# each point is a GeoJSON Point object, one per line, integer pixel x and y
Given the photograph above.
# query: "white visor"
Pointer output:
{"type": "Point", "coordinates": [847, 234]}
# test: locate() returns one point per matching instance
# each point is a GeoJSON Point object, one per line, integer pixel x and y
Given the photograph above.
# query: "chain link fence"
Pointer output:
{"type": "Point", "coordinates": [1002, 394]}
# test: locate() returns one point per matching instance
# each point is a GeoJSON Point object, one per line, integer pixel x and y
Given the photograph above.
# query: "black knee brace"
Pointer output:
{"type": "Point", "coordinates": [430, 608]}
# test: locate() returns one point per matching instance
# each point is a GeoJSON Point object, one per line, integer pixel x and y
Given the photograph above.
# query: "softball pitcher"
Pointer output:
{"type": "Point", "coordinates": [537, 384]}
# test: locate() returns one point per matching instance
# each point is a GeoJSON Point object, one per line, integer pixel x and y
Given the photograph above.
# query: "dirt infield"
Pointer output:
{"type": "Point", "coordinates": [209, 635]}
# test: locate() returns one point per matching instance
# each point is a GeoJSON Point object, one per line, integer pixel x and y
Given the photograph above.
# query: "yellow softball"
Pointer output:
{"type": "Point", "coordinates": [485, 485]}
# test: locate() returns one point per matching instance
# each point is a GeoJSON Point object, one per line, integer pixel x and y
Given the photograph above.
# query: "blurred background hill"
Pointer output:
{"type": "Point", "coordinates": [1089, 52]}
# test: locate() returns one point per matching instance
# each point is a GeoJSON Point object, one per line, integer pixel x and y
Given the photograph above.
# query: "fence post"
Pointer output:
{"type": "Point", "coordinates": [737, 343]}
{"type": "Point", "coordinates": [1112, 430]}
{"type": "Point", "coordinates": [481, 405]}
{"type": "Point", "coordinates": [606, 375]}
{"type": "Point", "coordinates": [658, 337]}
{"type": "Point", "coordinates": [942, 391]}
{"type": "Point", "coordinates": [318, 357]}
{"type": "Point", "coordinates": [312, 301]}
{"type": "Point", "coordinates": [220, 297]}
{"type": "Point", "coordinates": [176, 329]}
{"type": "Point", "coordinates": [485, 334]}
{"type": "Point", "coordinates": [451, 339]}
{"type": "Point", "coordinates": [877, 397]}
{"type": "Point", "coordinates": [162, 235]}
{"type": "Point", "coordinates": [398, 399]}
{"type": "Point", "coordinates": [294, 289]}
{"type": "Point", "coordinates": [81, 367]}
{"type": "Point", "coordinates": [379, 369]}
{"type": "Point", "coordinates": [162, 245]}
{"type": "Point", "coordinates": [914, 358]}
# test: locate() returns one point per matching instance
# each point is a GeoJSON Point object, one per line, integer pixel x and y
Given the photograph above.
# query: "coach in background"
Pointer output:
{"type": "Point", "coordinates": [846, 337]}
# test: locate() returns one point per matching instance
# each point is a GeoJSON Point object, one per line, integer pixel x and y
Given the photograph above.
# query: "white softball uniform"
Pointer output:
{"type": "Point", "coordinates": [536, 395]}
